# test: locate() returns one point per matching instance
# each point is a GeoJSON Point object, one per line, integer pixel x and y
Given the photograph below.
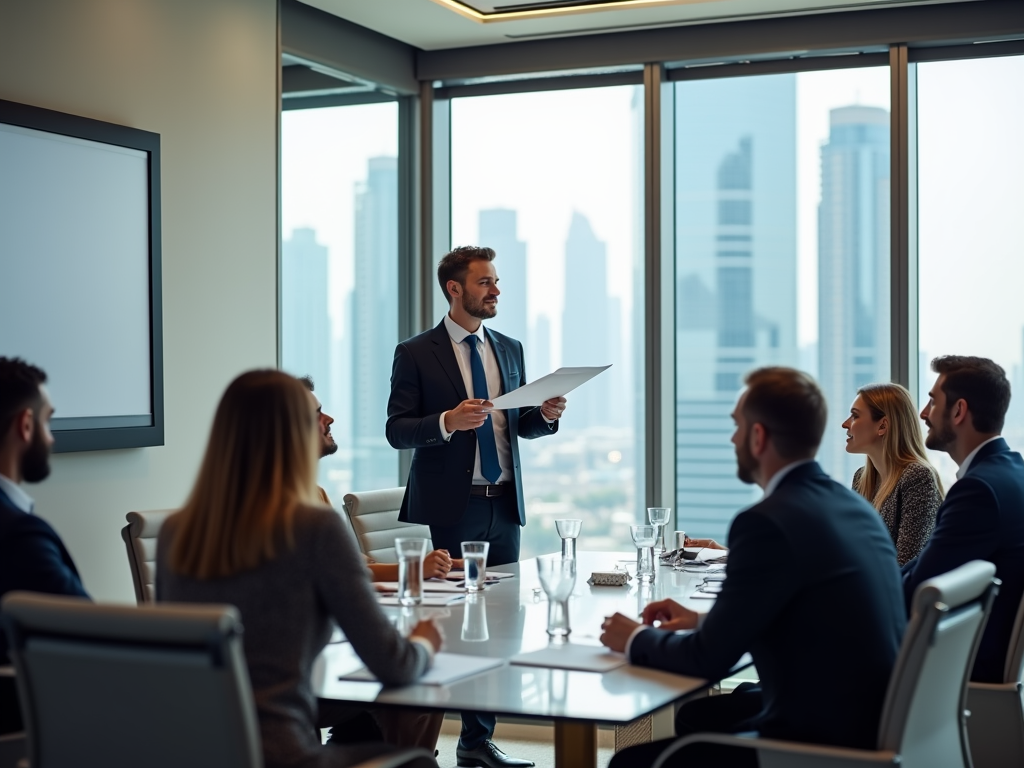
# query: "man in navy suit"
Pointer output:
{"type": "Point", "coordinates": [982, 517]}
{"type": "Point", "coordinates": [812, 583]}
{"type": "Point", "coordinates": [465, 480]}
{"type": "Point", "coordinates": [32, 556]}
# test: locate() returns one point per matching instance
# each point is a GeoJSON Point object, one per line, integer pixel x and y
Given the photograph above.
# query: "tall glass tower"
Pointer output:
{"type": "Point", "coordinates": [305, 324]}
{"type": "Point", "coordinates": [498, 231]}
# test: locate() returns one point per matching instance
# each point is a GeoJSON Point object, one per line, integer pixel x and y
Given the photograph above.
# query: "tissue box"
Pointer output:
{"type": "Point", "coordinates": [608, 578]}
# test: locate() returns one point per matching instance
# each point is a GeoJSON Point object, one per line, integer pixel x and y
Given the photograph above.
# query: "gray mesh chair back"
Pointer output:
{"type": "Point", "coordinates": [374, 518]}
{"type": "Point", "coordinates": [121, 687]}
{"type": "Point", "coordinates": [996, 725]}
{"type": "Point", "coordinates": [140, 539]}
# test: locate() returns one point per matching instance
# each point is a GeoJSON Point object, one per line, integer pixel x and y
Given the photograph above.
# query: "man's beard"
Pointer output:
{"type": "Point", "coordinates": [328, 447]}
{"type": "Point", "coordinates": [479, 309]}
{"type": "Point", "coordinates": [745, 462]}
{"type": "Point", "coordinates": [35, 464]}
{"type": "Point", "coordinates": [939, 439]}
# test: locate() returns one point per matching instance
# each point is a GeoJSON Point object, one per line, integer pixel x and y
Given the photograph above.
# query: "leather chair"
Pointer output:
{"type": "Point", "coordinates": [13, 750]}
{"type": "Point", "coordinates": [140, 539]}
{"type": "Point", "coordinates": [995, 728]}
{"type": "Point", "coordinates": [923, 722]}
{"type": "Point", "coordinates": [374, 518]}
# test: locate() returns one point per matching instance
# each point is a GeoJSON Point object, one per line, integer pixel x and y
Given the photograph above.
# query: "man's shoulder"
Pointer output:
{"type": "Point", "coordinates": [428, 336]}
{"type": "Point", "coordinates": [15, 525]}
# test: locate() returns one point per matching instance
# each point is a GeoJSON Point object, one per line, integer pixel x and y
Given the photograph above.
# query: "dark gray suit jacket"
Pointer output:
{"type": "Point", "coordinates": [425, 382]}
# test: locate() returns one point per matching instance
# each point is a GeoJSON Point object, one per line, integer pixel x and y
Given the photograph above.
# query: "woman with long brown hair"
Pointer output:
{"type": "Point", "coordinates": [252, 534]}
{"type": "Point", "coordinates": [897, 477]}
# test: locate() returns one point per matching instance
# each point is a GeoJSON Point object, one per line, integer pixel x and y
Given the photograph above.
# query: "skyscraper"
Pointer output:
{"type": "Point", "coordinates": [498, 231]}
{"type": "Point", "coordinates": [305, 326]}
{"type": "Point", "coordinates": [736, 275]}
{"type": "Point", "coordinates": [374, 329]}
{"type": "Point", "coordinates": [853, 265]}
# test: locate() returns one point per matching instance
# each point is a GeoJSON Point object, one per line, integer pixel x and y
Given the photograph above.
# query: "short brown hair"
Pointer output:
{"type": "Point", "coordinates": [19, 389]}
{"type": "Point", "coordinates": [790, 406]}
{"type": "Point", "coordinates": [455, 264]}
{"type": "Point", "coordinates": [979, 381]}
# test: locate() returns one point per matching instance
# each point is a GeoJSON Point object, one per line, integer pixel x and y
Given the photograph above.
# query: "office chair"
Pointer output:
{"type": "Point", "coordinates": [923, 720]}
{"type": "Point", "coordinates": [374, 518]}
{"type": "Point", "coordinates": [140, 540]}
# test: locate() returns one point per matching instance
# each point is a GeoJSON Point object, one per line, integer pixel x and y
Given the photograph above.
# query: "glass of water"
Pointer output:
{"type": "Point", "coordinates": [659, 517]}
{"type": "Point", "coordinates": [410, 569]}
{"type": "Point", "coordinates": [568, 529]}
{"type": "Point", "coordinates": [558, 578]}
{"type": "Point", "coordinates": [474, 553]}
{"type": "Point", "coordinates": [644, 536]}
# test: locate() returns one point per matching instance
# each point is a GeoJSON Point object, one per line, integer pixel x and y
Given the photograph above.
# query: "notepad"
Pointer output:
{"type": "Point", "coordinates": [427, 600]}
{"type": "Point", "coordinates": [448, 668]}
{"type": "Point", "coordinates": [491, 575]}
{"type": "Point", "coordinates": [428, 586]}
{"type": "Point", "coordinates": [585, 658]}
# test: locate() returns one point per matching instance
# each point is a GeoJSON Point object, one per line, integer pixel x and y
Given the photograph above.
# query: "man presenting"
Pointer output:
{"type": "Point", "coordinates": [465, 481]}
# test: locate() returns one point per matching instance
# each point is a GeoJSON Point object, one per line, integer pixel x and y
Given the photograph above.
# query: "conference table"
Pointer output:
{"type": "Point", "coordinates": [509, 618]}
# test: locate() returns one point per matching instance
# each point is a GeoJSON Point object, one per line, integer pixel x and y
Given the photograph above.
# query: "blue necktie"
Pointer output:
{"type": "Point", "coordinates": [489, 466]}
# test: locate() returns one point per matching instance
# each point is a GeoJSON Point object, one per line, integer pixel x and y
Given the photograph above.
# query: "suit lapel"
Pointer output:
{"type": "Point", "coordinates": [501, 357]}
{"type": "Point", "coordinates": [446, 357]}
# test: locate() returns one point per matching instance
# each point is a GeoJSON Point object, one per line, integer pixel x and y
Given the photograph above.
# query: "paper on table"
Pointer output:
{"type": "Point", "coordinates": [491, 575]}
{"type": "Point", "coordinates": [427, 599]}
{"type": "Point", "coordinates": [447, 668]}
{"type": "Point", "coordinates": [429, 585]}
{"type": "Point", "coordinates": [587, 658]}
{"type": "Point", "coordinates": [557, 384]}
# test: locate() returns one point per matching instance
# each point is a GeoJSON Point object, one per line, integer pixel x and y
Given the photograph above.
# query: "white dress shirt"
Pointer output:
{"type": "Point", "coordinates": [498, 418]}
{"type": "Point", "coordinates": [970, 457]}
{"type": "Point", "coordinates": [18, 497]}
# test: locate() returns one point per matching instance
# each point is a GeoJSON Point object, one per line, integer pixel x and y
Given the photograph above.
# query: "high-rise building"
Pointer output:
{"type": "Point", "coordinates": [305, 331]}
{"type": "Point", "coordinates": [736, 275]}
{"type": "Point", "coordinates": [585, 320]}
{"type": "Point", "coordinates": [374, 329]}
{"type": "Point", "coordinates": [853, 266]}
{"type": "Point", "coordinates": [498, 231]}
{"type": "Point", "coordinates": [538, 354]}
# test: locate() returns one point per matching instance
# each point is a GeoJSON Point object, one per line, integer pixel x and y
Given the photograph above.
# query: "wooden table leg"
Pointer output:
{"type": "Point", "coordinates": [575, 744]}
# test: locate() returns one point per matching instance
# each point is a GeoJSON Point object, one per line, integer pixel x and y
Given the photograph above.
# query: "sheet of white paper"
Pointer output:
{"type": "Point", "coordinates": [447, 668]}
{"type": "Point", "coordinates": [427, 599]}
{"type": "Point", "coordinates": [491, 575]}
{"type": "Point", "coordinates": [557, 384]}
{"type": "Point", "coordinates": [430, 585]}
{"type": "Point", "coordinates": [587, 658]}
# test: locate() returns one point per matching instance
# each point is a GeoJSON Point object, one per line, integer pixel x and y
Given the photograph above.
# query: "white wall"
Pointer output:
{"type": "Point", "coordinates": [202, 74]}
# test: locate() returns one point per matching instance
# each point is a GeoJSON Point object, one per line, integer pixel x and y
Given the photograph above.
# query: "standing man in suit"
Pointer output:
{"type": "Point", "coordinates": [465, 481]}
{"type": "Point", "coordinates": [32, 556]}
{"type": "Point", "coordinates": [798, 560]}
{"type": "Point", "coordinates": [982, 517]}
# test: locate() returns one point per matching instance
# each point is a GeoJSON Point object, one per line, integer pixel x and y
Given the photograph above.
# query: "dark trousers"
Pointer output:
{"type": "Point", "coordinates": [496, 520]}
{"type": "Point", "coordinates": [729, 713]}
{"type": "Point", "coordinates": [10, 708]}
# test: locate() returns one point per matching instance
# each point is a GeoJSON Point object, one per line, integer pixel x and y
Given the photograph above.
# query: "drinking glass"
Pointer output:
{"type": "Point", "coordinates": [568, 529]}
{"type": "Point", "coordinates": [557, 577]}
{"type": "Point", "coordinates": [474, 620]}
{"type": "Point", "coordinates": [659, 517]}
{"type": "Point", "coordinates": [410, 569]}
{"type": "Point", "coordinates": [644, 537]}
{"type": "Point", "coordinates": [474, 553]}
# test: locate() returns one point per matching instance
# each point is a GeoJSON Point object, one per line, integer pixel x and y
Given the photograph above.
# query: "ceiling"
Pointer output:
{"type": "Point", "coordinates": [439, 24]}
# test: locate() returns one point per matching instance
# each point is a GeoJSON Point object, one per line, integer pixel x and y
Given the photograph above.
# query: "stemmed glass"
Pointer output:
{"type": "Point", "coordinates": [557, 577]}
{"type": "Point", "coordinates": [644, 537]}
{"type": "Point", "coordinates": [659, 517]}
{"type": "Point", "coordinates": [568, 529]}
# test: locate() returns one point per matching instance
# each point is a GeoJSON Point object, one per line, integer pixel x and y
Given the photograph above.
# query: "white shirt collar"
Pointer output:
{"type": "Point", "coordinates": [14, 492]}
{"type": "Point", "coordinates": [459, 334]}
{"type": "Point", "coordinates": [970, 457]}
{"type": "Point", "coordinates": [778, 476]}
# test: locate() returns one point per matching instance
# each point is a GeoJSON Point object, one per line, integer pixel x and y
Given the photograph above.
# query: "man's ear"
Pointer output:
{"type": "Point", "coordinates": [758, 439]}
{"type": "Point", "coordinates": [24, 425]}
{"type": "Point", "coordinates": [454, 288]}
{"type": "Point", "coordinates": [959, 413]}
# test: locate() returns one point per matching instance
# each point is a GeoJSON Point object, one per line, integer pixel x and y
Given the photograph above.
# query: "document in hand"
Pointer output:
{"type": "Point", "coordinates": [447, 668]}
{"type": "Point", "coordinates": [557, 384]}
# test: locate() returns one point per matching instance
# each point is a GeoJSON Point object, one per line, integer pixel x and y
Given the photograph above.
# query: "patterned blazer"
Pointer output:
{"type": "Point", "coordinates": [909, 511]}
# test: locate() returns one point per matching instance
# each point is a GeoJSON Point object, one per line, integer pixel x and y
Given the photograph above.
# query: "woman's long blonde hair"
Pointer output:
{"type": "Point", "coordinates": [902, 446]}
{"type": "Point", "coordinates": [259, 466]}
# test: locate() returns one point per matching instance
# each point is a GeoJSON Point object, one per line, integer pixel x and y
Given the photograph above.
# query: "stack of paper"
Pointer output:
{"type": "Point", "coordinates": [447, 668]}
{"type": "Point", "coordinates": [427, 599]}
{"type": "Point", "coordinates": [491, 575]}
{"type": "Point", "coordinates": [586, 658]}
{"type": "Point", "coordinates": [430, 585]}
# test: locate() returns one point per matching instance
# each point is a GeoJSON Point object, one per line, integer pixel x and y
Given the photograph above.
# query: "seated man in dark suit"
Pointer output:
{"type": "Point", "coordinates": [982, 517]}
{"type": "Point", "coordinates": [812, 583]}
{"type": "Point", "coordinates": [32, 556]}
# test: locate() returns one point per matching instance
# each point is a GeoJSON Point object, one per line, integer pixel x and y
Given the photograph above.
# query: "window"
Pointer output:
{"type": "Point", "coordinates": [339, 278]}
{"type": "Point", "coordinates": [970, 117]}
{"type": "Point", "coordinates": [782, 258]}
{"type": "Point", "coordinates": [552, 181]}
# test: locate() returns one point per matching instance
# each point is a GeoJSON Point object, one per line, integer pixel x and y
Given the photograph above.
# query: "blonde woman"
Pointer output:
{"type": "Point", "coordinates": [897, 478]}
{"type": "Point", "coordinates": [254, 535]}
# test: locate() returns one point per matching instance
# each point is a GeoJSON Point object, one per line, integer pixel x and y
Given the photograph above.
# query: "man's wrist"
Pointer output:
{"type": "Point", "coordinates": [429, 646]}
{"type": "Point", "coordinates": [445, 434]}
{"type": "Point", "coordinates": [629, 642]}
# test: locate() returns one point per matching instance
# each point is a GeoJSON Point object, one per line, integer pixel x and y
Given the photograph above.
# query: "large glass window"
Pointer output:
{"type": "Point", "coordinates": [552, 181]}
{"type": "Point", "coordinates": [782, 258]}
{"type": "Point", "coordinates": [970, 117]}
{"type": "Point", "coordinates": [339, 278]}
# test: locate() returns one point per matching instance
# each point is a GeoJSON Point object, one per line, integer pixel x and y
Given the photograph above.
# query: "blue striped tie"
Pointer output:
{"type": "Point", "coordinates": [489, 466]}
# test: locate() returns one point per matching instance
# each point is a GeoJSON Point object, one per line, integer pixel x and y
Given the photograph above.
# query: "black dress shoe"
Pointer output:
{"type": "Point", "coordinates": [487, 755]}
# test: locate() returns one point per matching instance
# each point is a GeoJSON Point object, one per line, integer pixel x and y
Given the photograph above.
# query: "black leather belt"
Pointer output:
{"type": "Point", "coordinates": [487, 490]}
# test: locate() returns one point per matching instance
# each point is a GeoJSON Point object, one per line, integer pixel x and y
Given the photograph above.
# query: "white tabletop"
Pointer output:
{"type": "Point", "coordinates": [515, 617]}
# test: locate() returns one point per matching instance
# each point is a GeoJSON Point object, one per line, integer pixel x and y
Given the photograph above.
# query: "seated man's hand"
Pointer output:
{"type": "Point", "coordinates": [706, 543]}
{"type": "Point", "coordinates": [436, 564]}
{"type": "Point", "coordinates": [615, 631]}
{"type": "Point", "coordinates": [671, 614]}
{"type": "Point", "coordinates": [429, 631]}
